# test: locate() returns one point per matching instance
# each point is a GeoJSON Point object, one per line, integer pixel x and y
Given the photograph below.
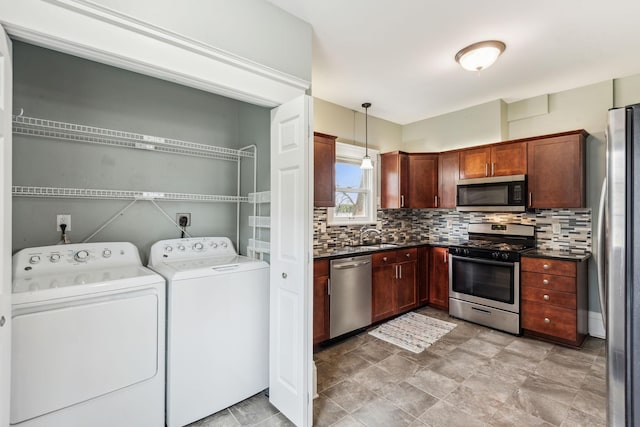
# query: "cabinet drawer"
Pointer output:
{"type": "Point", "coordinates": [549, 320]}
{"type": "Point", "coordinates": [383, 258]}
{"type": "Point", "coordinates": [403, 255]}
{"type": "Point", "coordinates": [548, 281]}
{"type": "Point", "coordinates": [549, 266]}
{"type": "Point", "coordinates": [546, 296]}
{"type": "Point", "coordinates": [320, 268]}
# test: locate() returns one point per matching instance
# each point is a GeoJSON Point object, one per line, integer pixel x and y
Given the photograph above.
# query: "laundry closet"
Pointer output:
{"type": "Point", "coordinates": [66, 90]}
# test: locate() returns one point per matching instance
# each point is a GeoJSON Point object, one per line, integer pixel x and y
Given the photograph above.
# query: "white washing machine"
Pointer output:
{"type": "Point", "coordinates": [217, 325]}
{"type": "Point", "coordinates": [88, 338]}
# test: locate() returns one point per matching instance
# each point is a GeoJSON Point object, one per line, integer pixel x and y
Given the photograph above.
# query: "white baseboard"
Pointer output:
{"type": "Point", "coordinates": [596, 325]}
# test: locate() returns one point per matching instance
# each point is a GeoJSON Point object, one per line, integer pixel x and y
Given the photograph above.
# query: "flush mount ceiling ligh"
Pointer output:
{"type": "Point", "coordinates": [481, 55]}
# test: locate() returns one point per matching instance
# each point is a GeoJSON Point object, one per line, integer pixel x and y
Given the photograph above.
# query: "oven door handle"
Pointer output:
{"type": "Point", "coordinates": [483, 261]}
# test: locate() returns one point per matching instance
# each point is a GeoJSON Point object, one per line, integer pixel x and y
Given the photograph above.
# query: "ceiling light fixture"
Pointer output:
{"type": "Point", "coordinates": [366, 160]}
{"type": "Point", "coordinates": [481, 55]}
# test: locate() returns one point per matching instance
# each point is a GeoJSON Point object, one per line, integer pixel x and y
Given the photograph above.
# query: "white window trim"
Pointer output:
{"type": "Point", "coordinates": [349, 151]}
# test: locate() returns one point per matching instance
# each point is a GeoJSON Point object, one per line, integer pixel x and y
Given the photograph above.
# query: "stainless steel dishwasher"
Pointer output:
{"type": "Point", "coordinates": [350, 295]}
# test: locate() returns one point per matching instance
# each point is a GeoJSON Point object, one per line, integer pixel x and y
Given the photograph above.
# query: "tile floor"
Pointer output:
{"type": "Point", "coordinates": [473, 376]}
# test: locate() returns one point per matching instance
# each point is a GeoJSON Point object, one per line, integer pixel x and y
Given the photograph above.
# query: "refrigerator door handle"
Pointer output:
{"type": "Point", "coordinates": [601, 252]}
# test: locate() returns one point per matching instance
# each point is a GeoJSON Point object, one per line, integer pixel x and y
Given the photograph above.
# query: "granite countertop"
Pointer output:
{"type": "Point", "coordinates": [344, 251]}
{"type": "Point", "coordinates": [557, 254]}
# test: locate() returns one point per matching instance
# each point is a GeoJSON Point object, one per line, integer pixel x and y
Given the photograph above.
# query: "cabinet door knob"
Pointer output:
{"type": "Point", "coordinates": [545, 266]}
{"type": "Point", "coordinates": [545, 281]}
{"type": "Point", "coordinates": [384, 259]}
{"type": "Point", "coordinates": [545, 297]}
{"type": "Point", "coordinates": [547, 320]}
{"type": "Point", "coordinates": [408, 255]}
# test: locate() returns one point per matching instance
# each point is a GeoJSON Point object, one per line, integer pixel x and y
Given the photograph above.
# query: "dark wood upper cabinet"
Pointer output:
{"type": "Point", "coordinates": [509, 159]}
{"type": "Point", "coordinates": [324, 170]}
{"type": "Point", "coordinates": [474, 162]}
{"type": "Point", "coordinates": [394, 185]}
{"type": "Point", "coordinates": [556, 171]}
{"type": "Point", "coordinates": [423, 181]}
{"type": "Point", "coordinates": [495, 160]}
{"type": "Point", "coordinates": [448, 174]}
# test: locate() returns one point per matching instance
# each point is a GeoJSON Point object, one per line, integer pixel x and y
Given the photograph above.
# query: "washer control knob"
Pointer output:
{"type": "Point", "coordinates": [168, 248]}
{"type": "Point", "coordinates": [34, 259]}
{"type": "Point", "coordinates": [81, 256]}
{"type": "Point", "coordinates": [54, 257]}
{"type": "Point", "coordinates": [198, 246]}
{"type": "Point", "coordinates": [106, 253]}
{"type": "Point", "coordinates": [223, 244]}
{"type": "Point", "coordinates": [181, 248]}
{"type": "Point", "coordinates": [214, 245]}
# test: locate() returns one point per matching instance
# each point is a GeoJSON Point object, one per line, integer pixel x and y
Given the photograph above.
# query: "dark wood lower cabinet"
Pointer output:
{"type": "Point", "coordinates": [320, 301]}
{"type": "Point", "coordinates": [439, 278]}
{"type": "Point", "coordinates": [394, 286]}
{"type": "Point", "coordinates": [554, 300]}
{"type": "Point", "coordinates": [423, 275]}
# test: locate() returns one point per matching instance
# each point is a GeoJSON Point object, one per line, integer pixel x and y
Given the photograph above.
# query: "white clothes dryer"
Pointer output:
{"type": "Point", "coordinates": [88, 338]}
{"type": "Point", "coordinates": [217, 325]}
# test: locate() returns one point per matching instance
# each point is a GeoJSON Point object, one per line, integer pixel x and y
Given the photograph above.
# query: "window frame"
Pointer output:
{"type": "Point", "coordinates": [348, 153]}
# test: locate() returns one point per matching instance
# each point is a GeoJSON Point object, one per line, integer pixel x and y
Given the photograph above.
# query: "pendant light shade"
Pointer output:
{"type": "Point", "coordinates": [366, 160]}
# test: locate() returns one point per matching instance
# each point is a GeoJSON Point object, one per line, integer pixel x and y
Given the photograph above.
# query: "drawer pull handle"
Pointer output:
{"type": "Point", "coordinates": [545, 282]}
{"type": "Point", "coordinates": [547, 320]}
{"type": "Point", "coordinates": [545, 297]}
{"type": "Point", "coordinates": [545, 266]}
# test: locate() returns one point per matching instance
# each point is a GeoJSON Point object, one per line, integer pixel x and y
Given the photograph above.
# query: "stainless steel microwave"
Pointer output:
{"type": "Point", "coordinates": [495, 194]}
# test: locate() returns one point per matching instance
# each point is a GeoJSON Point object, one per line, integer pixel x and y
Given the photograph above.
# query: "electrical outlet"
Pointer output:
{"type": "Point", "coordinates": [181, 215]}
{"type": "Point", "coordinates": [63, 219]}
{"type": "Point", "coordinates": [449, 223]}
{"type": "Point", "coordinates": [556, 228]}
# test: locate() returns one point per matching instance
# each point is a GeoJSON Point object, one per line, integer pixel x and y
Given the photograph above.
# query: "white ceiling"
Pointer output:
{"type": "Point", "coordinates": [398, 54]}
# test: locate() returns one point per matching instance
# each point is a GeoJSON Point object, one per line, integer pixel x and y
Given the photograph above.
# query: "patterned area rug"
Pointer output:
{"type": "Point", "coordinates": [412, 331]}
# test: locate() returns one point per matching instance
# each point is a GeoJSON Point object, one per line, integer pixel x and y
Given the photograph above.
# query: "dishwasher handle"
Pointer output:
{"type": "Point", "coordinates": [350, 265]}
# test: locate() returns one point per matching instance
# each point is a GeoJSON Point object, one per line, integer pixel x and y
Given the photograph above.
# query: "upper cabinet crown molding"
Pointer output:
{"type": "Point", "coordinates": [89, 30]}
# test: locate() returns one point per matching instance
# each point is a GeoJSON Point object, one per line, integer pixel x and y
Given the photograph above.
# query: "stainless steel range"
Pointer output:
{"type": "Point", "coordinates": [484, 275]}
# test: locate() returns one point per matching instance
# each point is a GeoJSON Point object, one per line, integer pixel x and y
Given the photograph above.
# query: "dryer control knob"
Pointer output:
{"type": "Point", "coordinates": [168, 248]}
{"type": "Point", "coordinates": [198, 246]}
{"type": "Point", "coordinates": [181, 248]}
{"type": "Point", "coordinates": [54, 257]}
{"type": "Point", "coordinates": [34, 259]}
{"type": "Point", "coordinates": [106, 253]}
{"type": "Point", "coordinates": [81, 256]}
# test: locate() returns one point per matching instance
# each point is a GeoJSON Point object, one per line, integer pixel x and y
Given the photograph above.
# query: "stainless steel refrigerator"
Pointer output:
{"type": "Point", "coordinates": [619, 265]}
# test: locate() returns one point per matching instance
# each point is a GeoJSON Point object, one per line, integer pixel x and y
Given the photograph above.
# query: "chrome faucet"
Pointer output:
{"type": "Point", "coordinates": [364, 230]}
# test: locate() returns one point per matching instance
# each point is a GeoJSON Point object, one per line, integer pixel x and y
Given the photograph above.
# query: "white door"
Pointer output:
{"type": "Point", "coordinates": [290, 341]}
{"type": "Point", "coordinates": [5, 224]}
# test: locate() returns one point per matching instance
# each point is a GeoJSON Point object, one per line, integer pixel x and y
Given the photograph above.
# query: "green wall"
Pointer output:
{"type": "Point", "coordinates": [56, 86]}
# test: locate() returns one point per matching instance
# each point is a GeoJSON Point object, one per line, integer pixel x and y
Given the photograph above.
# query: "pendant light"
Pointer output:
{"type": "Point", "coordinates": [366, 160]}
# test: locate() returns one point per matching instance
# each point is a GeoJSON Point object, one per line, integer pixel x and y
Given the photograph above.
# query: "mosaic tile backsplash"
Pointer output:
{"type": "Point", "coordinates": [442, 225]}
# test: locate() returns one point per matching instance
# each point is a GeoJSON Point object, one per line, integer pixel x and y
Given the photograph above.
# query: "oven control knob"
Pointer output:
{"type": "Point", "coordinates": [505, 256]}
{"type": "Point", "coordinates": [495, 255]}
{"type": "Point", "coordinates": [465, 251]}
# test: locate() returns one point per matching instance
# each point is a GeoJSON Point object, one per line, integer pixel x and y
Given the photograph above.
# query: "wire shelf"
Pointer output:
{"type": "Point", "coordinates": [259, 246]}
{"type": "Point", "coordinates": [261, 197]}
{"type": "Point", "coordinates": [93, 135]}
{"type": "Point", "coordinates": [96, 194]}
{"type": "Point", "coordinates": [260, 221]}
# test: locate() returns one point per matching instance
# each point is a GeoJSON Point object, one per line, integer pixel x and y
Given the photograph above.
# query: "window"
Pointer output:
{"type": "Point", "coordinates": [355, 188]}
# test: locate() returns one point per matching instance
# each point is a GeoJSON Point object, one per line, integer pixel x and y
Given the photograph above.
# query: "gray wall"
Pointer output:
{"type": "Point", "coordinates": [56, 86]}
